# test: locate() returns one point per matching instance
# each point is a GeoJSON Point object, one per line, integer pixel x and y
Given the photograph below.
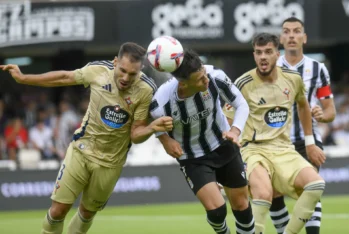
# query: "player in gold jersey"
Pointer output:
{"type": "Point", "coordinates": [116, 116]}
{"type": "Point", "coordinates": [271, 159]}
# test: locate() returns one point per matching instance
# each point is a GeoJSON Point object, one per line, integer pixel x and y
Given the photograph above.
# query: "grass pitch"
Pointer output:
{"type": "Point", "coordinates": [177, 218]}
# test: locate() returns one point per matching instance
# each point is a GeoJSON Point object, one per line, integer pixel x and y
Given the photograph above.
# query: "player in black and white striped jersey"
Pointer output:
{"type": "Point", "coordinates": [317, 82]}
{"type": "Point", "coordinates": [204, 144]}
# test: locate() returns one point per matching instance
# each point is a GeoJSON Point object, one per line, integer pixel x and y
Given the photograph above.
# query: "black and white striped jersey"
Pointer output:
{"type": "Point", "coordinates": [317, 83]}
{"type": "Point", "coordinates": [199, 120]}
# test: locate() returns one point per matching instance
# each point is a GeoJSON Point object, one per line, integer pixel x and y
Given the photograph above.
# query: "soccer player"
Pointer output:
{"type": "Point", "coordinates": [205, 146]}
{"type": "Point", "coordinates": [116, 116]}
{"type": "Point", "coordinates": [271, 160]}
{"type": "Point", "coordinates": [317, 82]}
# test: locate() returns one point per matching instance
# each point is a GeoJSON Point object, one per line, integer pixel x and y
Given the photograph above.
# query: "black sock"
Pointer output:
{"type": "Point", "coordinates": [313, 225]}
{"type": "Point", "coordinates": [244, 221]}
{"type": "Point", "coordinates": [279, 214]}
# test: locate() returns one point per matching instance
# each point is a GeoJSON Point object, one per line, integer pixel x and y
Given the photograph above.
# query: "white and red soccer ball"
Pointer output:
{"type": "Point", "coordinates": [165, 54]}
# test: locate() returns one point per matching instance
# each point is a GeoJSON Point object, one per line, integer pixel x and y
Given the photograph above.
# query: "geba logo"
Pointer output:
{"type": "Point", "coordinates": [22, 25]}
{"type": "Point", "coordinates": [114, 116]}
{"type": "Point", "coordinates": [276, 117]}
{"type": "Point", "coordinates": [252, 18]}
{"type": "Point", "coordinates": [192, 20]}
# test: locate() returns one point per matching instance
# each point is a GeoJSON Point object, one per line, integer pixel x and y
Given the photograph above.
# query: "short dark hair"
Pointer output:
{"type": "Point", "coordinates": [135, 52]}
{"type": "Point", "coordinates": [293, 19]}
{"type": "Point", "coordinates": [263, 39]}
{"type": "Point", "coordinates": [191, 63]}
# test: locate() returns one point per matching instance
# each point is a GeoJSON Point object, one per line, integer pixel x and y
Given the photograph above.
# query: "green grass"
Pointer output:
{"type": "Point", "coordinates": [177, 218]}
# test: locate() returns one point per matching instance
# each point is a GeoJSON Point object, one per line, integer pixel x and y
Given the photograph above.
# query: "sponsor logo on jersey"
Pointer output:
{"type": "Point", "coordinates": [201, 115]}
{"type": "Point", "coordinates": [114, 116]}
{"type": "Point", "coordinates": [206, 95]}
{"type": "Point", "coordinates": [276, 117]}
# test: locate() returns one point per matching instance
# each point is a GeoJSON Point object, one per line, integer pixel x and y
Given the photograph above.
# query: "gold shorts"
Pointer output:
{"type": "Point", "coordinates": [77, 174]}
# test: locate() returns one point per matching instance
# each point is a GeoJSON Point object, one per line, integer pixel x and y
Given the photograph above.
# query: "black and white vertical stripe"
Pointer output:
{"type": "Point", "coordinates": [199, 121]}
{"type": "Point", "coordinates": [313, 76]}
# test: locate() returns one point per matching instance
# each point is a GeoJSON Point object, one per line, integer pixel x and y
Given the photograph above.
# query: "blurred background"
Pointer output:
{"type": "Point", "coordinates": [36, 124]}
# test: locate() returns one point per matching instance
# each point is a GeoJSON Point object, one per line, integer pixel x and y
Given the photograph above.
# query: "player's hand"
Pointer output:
{"type": "Point", "coordinates": [162, 124]}
{"type": "Point", "coordinates": [233, 135]}
{"type": "Point", "coordinates": [173, 148]}
{"type": "Point", "coordinates": [14, 71]}
{"type": "Point", "coordinates": [317, 113]}
{"type": "Point", "coordinates": [315, 155]}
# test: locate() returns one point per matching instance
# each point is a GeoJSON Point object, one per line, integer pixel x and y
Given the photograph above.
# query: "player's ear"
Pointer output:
{"type": "Point", "coordinates": [305, 39]}
{"type": "Point", "coordinates": [115, 61]}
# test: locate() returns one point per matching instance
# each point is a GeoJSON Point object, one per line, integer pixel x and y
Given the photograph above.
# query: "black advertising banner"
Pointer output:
{"type": "Point", "coordinates": [207, 24]}
{"type": "Point", "coordinates": [22, 190]}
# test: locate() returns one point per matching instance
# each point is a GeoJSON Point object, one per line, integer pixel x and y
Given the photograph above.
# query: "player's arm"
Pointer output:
{"type": "Point", "coordinates": [140, 129]}
{"type": "Point", "coordinates": [314, 153]}
{"type": "Point", "coordinates": [327, 112]}
{"type": "Point", "coordinates": [232, 95]}
{"type": "Point", "coordinates": [49, 79]}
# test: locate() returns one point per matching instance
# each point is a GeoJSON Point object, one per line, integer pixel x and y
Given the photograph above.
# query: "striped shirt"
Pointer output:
{"type": "Point", "coordinates": [199, 120]}
{"type": "Point", "coordinates": [317, 83]}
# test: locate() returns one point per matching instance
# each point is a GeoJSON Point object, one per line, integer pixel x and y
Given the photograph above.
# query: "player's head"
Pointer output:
{"type": "Point", "coordinates": [128, 64]}
{"type": "Point", "coordinates": [266, 52]}
{"type": "Point", "coordinates": [191, 74]}
{"type": "Point", "coordinates": [293, 36]}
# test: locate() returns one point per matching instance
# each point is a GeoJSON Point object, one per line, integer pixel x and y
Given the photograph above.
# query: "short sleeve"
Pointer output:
{"type": "Point", "coordinates": [142, 110]}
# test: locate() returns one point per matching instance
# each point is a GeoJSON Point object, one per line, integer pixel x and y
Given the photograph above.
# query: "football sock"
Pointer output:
{"type": "Point", "coordinates": [244, 221]}
{"type": "Point", "coordinates": [78, 224]}
{"type": "Point", "coordinates": [304, 206]}
{"type": "Point", "coordinates": [216, 218]}
{"type": "Point", "coordinates": [313, 225]}
{"type": "Point", "coordinates": [279, 214]}
{"type": "Point", "coordinates": [260, 209]}
{"type": "Point", "coordinates": [51, 226]}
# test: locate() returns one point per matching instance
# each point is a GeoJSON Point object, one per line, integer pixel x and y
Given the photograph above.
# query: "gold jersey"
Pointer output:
{"type": "Point", "coordinates": [270, 105]}
{"type": "Point", "coordinates": [104, 135]}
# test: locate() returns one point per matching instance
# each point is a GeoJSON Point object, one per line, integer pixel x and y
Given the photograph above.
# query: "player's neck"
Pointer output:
{"type": "Point", "coordinates": [184, 92]}
{"type": "Point", "coordinates": [294, 57]}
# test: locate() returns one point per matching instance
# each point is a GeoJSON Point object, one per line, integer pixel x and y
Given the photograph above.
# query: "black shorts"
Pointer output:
{"type": "Point", "coordinates": [300, 148]}
{"type": "Point", "coordinates": [223, 165]}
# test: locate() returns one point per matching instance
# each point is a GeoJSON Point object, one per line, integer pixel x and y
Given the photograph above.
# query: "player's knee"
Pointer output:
{"type": "Point", "coordinates": [316, 188]}
{"type": "Point", "coordinates": [262, 193]}
{"type": "Point", "coordinates": [239, 199]}
{"type": "Point", "coordinates": [58, 211]}
{"type": "Point", "coordinates": [217, 215]}
{"type": "Point", "coordinates": [85, 213]}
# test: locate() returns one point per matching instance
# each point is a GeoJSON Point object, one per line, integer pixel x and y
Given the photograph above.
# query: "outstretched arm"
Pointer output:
{"type": "Point", "coordinates": [49, 79]}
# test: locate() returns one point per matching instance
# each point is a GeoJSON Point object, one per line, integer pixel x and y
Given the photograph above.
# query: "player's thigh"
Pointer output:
{"type": "Point", "coordinates": [287, 165]}
{"type": "Point", "coordinates": [306, 176]}
{"type": "Point", "coordinates": [72, 177]}
{"type": "Point", "coordinates": [260, 183]}
{"type": "Point", "coordinates": [100, 187]}
{"type": "Point", "coordinates": [232, 174]}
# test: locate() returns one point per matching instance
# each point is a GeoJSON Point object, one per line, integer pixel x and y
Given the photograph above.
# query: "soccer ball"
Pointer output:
{"type": "Point", "coordinates": [165, 54]}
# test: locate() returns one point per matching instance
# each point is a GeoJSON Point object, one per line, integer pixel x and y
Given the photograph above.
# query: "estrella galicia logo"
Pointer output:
{"type": "Point", "coordinates": [114, 116]}
{"type": "Point", "coordinates": [276, 117]}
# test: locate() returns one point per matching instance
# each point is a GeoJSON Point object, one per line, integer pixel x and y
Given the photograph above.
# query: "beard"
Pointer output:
{"type": "Point", "coordinates": [266, 73]}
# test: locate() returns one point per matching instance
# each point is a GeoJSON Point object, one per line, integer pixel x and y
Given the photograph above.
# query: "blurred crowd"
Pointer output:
{"type": "Point", "coordinates": [34, 121]}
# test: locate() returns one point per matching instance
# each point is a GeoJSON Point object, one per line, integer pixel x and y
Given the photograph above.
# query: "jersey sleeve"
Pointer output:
{"type": "Point", "coordinates": [323, 88]}
{"type": "Point", "coordinates": [300, 88]}
{"type": "Point", "coordinates": [157, 106]}
{"type": "Point", "coordinates": [84, 75]}
{"type": "Point", "coordinates": [232, 95]}
{"type": "Point", "coordinates": [142, 110]}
